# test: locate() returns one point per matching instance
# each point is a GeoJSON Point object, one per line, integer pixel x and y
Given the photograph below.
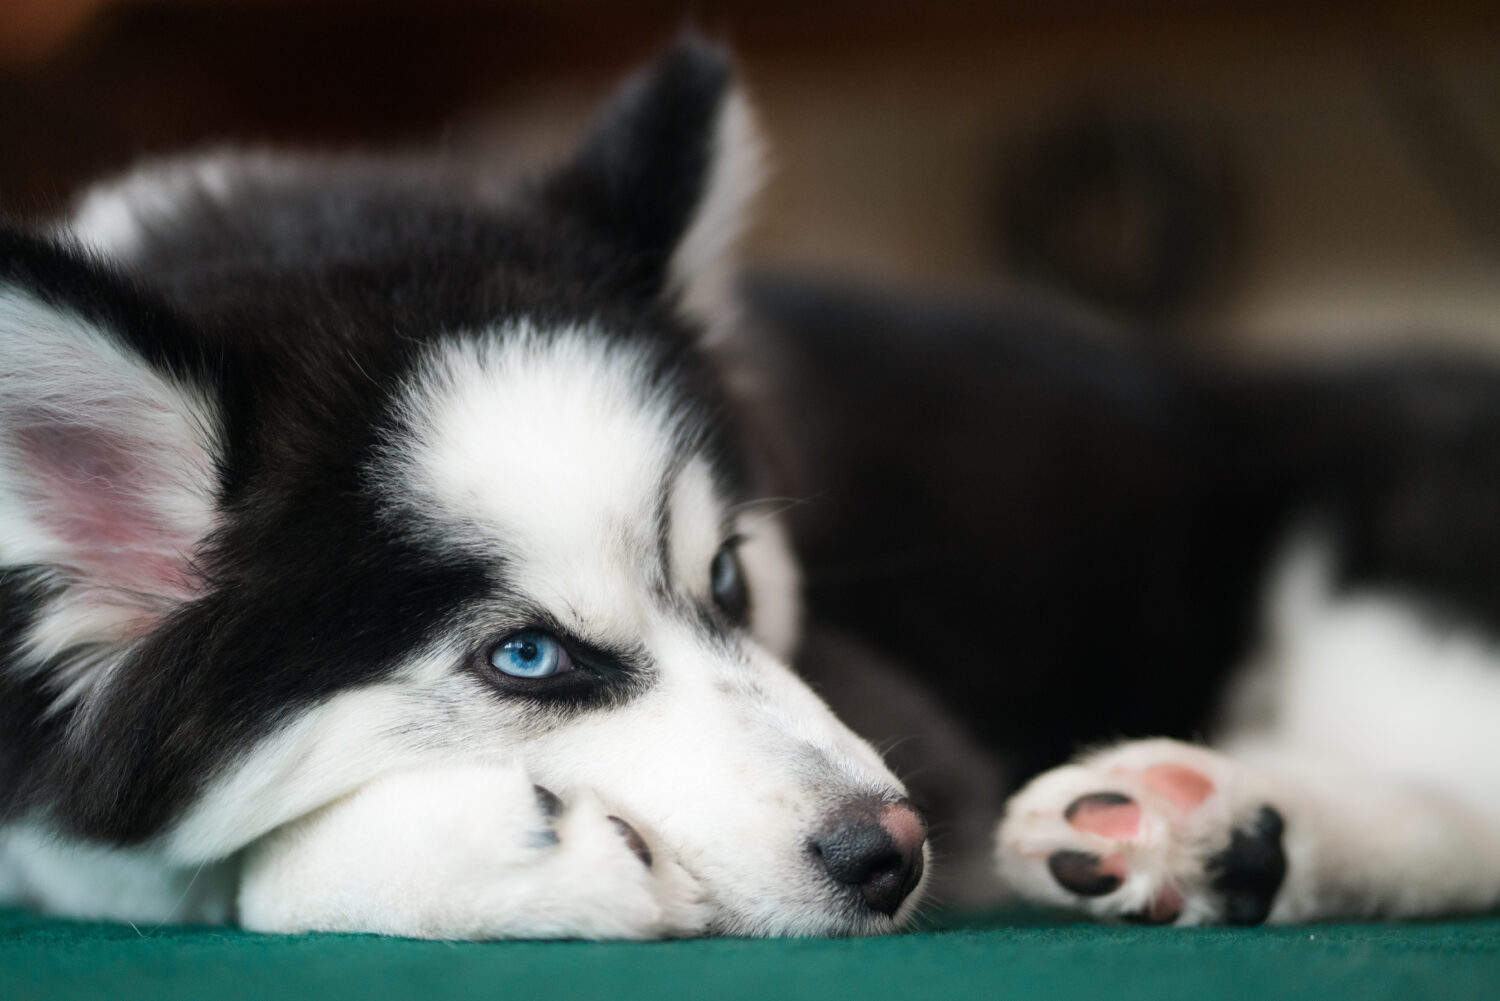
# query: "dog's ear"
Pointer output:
{"type": "Point", "coordinates": [667, 173]}
{"type": "Point", "coordinates": [108, 446]}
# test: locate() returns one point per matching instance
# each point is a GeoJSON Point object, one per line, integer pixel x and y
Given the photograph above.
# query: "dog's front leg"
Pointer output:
{"type": "Point", "coordinates": [471, 852]}
{"type": "Point", "coordinates": [1164, 832]}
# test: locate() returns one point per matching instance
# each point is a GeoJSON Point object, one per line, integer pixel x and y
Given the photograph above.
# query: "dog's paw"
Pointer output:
{"type": "Point", "coordinates": [472, 852]}
{"type": "Point", "coordinates": [594, 874]}
{"type": "Point", "coordinates": [1153, 831]}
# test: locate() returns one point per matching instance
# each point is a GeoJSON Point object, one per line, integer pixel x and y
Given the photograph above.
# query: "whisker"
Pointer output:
{"type": "Point", "coordinates": [784, 504]}
{"type": "Point", "coordinates": [180, 897]}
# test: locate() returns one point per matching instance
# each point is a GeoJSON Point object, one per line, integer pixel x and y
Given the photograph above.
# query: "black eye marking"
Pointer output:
{"type": "Point", "coordinates": [727, 582]}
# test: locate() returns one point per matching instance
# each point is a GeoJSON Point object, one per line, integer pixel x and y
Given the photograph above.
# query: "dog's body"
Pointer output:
{"type": "Point", "coordinates": [1067, 540]}
{"type": "Point", "coordinates": [345, 511]}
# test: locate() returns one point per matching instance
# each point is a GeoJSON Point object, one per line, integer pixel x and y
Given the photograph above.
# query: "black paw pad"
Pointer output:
{"type": "Point", "coordinates": [1079, 872]}
{"type": "Point", "coordinates": [634, 841]}
{"type": "Point", "coordinates": [1248, 873]}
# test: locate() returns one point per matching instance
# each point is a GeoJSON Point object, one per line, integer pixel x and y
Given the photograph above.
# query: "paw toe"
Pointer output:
{"type": "Point", "coordinates": [633, 840]}
{"type": "Point", "coordinates": [547, 802]}
{"type": "Point", "coordinates": [550, 808]}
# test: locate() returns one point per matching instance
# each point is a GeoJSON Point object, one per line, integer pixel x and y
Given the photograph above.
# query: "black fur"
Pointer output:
{"type": "Point", "coordinates": [299, 305]}
{"type": "Point", "coordinates": [1066, 535]}
{"type": "Point", "coordinates": [639, 175]}
{"type": "Point", "coordinates": [1248, 872]}
{"type": "Point", "coordinates": [1059, 533]}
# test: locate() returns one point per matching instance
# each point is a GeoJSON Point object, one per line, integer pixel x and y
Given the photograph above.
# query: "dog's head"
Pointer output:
{"type": "Point", "coordinates": [311, 471]}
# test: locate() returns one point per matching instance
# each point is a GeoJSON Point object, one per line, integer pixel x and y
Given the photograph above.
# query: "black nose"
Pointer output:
{"type": "Point", "coordinates": [876, 846]}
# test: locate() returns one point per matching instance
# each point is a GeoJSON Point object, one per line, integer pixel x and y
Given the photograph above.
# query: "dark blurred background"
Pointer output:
{"type": "Point", "coordinates": [1260, 177]}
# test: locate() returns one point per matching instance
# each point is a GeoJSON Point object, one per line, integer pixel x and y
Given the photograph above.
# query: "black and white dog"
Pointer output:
{"type": "Point", "coordinates": [385, 549]}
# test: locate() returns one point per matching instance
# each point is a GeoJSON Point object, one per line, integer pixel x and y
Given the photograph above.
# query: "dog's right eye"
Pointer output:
{"type": "Point", "coordinates": [531, 653]}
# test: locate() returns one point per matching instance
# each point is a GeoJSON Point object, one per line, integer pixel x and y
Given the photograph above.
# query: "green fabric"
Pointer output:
{"type": "Point", "coordinates": [998, 958]}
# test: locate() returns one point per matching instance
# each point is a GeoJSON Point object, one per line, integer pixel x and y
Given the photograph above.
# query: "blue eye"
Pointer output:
{"type": "Point", "coordinates": [531, 653]}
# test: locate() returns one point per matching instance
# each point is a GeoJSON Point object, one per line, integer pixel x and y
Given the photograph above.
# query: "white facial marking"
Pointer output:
{"type": "Point", "coordinates": [556, 453]}
{"type": "Point", "coordinates": [776, 582]}
{"type": "Point", "coordinates": [554, 449]}
{"type": "Point", "coordinates": [696, 514]}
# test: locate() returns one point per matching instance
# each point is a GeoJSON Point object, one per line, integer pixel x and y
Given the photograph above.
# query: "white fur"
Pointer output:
{"type": "Point", "coordinates": [708, 760]}
{"type": "Point", "coordinates": [766, 555]}
{"type": "Point", "coordinates": [575, 479]}
{"type": "Point", "coordinates": [1368, 680]}
{"type": "Point", "coordinates": [697, 518]}
{"type": "Point", "coordinates": [1358, 843]}
{"type": "Point", "coordinates": [41, 869]}
{"type": "Point", "coordinates": [696, 514]}
{"type": "Point", "coordinates": [1381, 722]}
{"type": "Point", "coordinates": [325, 753]}
{"type": "Point", "coordinates": [702, 269]}
{"type": "Point", "coordinates": [464, 852]}
{"type": "Point", "coordinates": [405, 806]}
{"type": "Point", "coordinates": [555, 450]}
{"type": "Point", "coordinates": [568, 496]}
{"type": "Point", "coordinates": [1366, 725]}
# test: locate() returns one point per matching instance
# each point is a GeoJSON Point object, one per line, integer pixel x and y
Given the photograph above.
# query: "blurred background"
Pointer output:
{"type": "Point", "coordinates": [1263, 178]}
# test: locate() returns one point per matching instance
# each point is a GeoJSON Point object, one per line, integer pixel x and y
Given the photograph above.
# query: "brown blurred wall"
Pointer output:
{"type": "Point", "coordinates": [897, 128]}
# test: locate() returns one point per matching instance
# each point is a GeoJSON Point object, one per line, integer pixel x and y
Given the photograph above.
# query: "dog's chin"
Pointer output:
{"type": "Point", "coordinates": [806, 923]}
{"type": "Point", "coordinates": [839, 915]}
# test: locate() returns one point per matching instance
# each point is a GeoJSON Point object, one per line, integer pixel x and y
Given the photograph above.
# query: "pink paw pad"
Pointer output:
{"type": "Point", "coordinates": [1185, 787]}
{"type": "Point", "coordinates": [1107, 814]}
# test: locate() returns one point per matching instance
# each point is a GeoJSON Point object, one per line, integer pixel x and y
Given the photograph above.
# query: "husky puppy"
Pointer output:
{"type": "Point", "coordinates": [386, 551]}
{"type": "Point", "coordinates": [377, 553]}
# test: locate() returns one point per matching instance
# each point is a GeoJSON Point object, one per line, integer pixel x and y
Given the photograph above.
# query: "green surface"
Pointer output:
{"type": "Point", "coordinates": [995, 959]}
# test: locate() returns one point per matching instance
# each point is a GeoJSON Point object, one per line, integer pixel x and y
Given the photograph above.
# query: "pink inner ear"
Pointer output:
{"type": "Point", "coordinates": [96, 492]}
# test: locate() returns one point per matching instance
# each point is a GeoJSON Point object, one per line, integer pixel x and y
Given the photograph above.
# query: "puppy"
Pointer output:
{"type": "Point", "coordinates": [379, 555]}
{"type": "Point", "coordinates": [385, 551]}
